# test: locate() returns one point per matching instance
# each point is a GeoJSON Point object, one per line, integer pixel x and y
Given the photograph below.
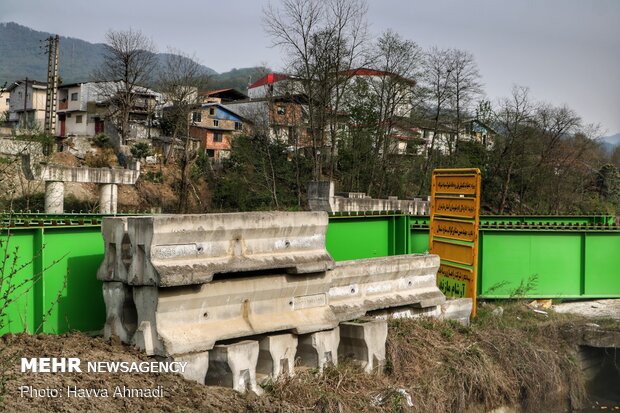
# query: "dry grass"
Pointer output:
{"type": "Point", "coordinates": [519, 359]}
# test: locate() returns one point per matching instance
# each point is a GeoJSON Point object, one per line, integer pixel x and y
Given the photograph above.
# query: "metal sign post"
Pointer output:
{"type": "Point", "coordinates": [455, 216]}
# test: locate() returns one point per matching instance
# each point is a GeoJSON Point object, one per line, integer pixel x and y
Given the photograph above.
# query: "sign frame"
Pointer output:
{"type": "Point", "coordinates": [456, 225]}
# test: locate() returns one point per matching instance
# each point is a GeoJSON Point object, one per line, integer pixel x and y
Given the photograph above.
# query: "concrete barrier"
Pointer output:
{"type": "Point", "coordinates": [364, 342]}
{"type": "Point", "coordinates": [197, 365]}
{"type": "Point", "coordinates": [193, 287]}
{"type": "Point", "coordinates": [117, 250]}
{"type": "Point", "coordinates": [193, 318]}
{"type": "Point", "coordinates": [121, 317]}
{"type": "Point", "coordinates": [362, 286]}
{"type": "Point", "coordinates": [276, 356]}
{"type": "Point", "coordinates": [457, 309]}
{"type": "Point", "coordinates": [173, 250]}
{"type": "Point", "coordinates": [317, 350]}
{"type": "Point", "coordinates": [234, 365]}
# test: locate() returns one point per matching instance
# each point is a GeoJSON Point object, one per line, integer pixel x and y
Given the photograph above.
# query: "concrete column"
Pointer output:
{"type": "Point", "coordinates": [276, 356]}
{"type": "Point", "coordinates": [54, 197]}
{"type": "Point", "coordinates": [315, 350]}
{"type": "Point", "coordinates": [108, 198]}
{"type": "Point", "coordinates": [234, 366]}
{"type": "Point", "coordinates": [364, 343]}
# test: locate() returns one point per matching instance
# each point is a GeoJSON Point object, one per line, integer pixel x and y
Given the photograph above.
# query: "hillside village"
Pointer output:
{"type": "Point", "coordinates": [374, 126]}
{"type": "Point", "coordinates": [83, 112]}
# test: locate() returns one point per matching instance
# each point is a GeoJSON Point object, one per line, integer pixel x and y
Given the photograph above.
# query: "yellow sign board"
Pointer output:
{"type": "Point", "coordinates": [455, 207]}
{"type": "Point", "coordinates": [462, 254]}
{"type": "Point", "coordinates": [457, 183]}
{"type": "Point", "coordinates": [457, 273]}
{"type": "Point", "coordinates": [451, 287]}
{"type": "Point", "coordinates": [455, 210]}
{"type": "Point", "coordinates": [454, 229]}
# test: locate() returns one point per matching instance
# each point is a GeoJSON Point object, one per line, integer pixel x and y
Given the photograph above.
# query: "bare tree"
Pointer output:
{"type": "Point", "coordinates": [396, 61]}
{"type": "Point", "coordinates": [322, 39]}
{"type": "Point", "coordinates": [126, 69]}
{"type": "Point", "coordinates": [465, 85]}
{"type": "Point", "coordinates": [181, 79]}
{"type": "Point", "coordinates": [514, 118]}
{"type": "Point", "coordinates": [436, 77]}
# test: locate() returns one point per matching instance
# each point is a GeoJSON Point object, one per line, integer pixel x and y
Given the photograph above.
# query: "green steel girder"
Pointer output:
{"type": "Point", "coordinates": [570, 257]}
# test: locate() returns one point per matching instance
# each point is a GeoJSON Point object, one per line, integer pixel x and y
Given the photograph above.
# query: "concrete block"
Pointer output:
{"type": "Point", "coordinates": [117, 250]}
{"type": "Point", "coordinates": [458, 309]}
{"type": "Point", "coordinates": [174, 250]}
{"type": "Point", "coordinates": [197, 365]}
{"type": "Point", "coordinates": [365, 343]}
{"type": "Point", "coordinates": [234, 366]}
{"type": "Point", "coordinates": [316, 350]}
{"type": "Point", "coordinates": [360, 286]}
{"type": "Point", "coordinates": [193, 318]}
{"type": "Point", "coordinates": [407, 312]}
{"type": "Point", "coordinates": [121, 316]}
{"type": "Point", "coordinates": [276, 356]}
{"type": "Point", "coordinates": [146, 336]}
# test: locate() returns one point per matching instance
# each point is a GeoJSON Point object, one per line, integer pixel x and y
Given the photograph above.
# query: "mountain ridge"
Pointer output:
{"type": "Point", "coordinates": [22, 52]}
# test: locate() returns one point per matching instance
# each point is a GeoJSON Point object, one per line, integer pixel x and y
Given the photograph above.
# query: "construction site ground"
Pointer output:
{"type": "Point", "coordinates": [515, 358]}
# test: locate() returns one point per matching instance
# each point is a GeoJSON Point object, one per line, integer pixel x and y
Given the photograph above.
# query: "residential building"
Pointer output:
{"type": "Point", "coordinates": [276, 105]}
{"type": "Point", "coordinates": [215, 125]}
{"type": "Point", "coordinates": [27, 103]}
{"type": "Point", "coordinates": [4, 104]}
{"type": "Point", "coordinates": [479, 131]}
{"type": "Point", "coordinates": [222, 96]}
{"type": "Point", "coordinates": [84, 110]}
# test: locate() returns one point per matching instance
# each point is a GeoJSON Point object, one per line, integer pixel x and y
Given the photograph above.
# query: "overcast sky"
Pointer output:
{"type": "Point", "coordinates": [566, 51]}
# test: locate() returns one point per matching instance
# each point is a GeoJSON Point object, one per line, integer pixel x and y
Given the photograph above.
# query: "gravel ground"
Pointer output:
{"type": "Point", "coordinates": [594, 308]}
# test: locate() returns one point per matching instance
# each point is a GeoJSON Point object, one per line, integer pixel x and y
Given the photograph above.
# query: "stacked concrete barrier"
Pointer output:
{"type": "Point", "coordinates": [362, 286]}
{"type": "Point", "coordinates": [247, 297]}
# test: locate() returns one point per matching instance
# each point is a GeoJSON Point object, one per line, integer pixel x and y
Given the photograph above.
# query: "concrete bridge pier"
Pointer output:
{"type": "Point", "coordinates": [108, 198]}
{"type": "Point", "coordinates": [54, 197]}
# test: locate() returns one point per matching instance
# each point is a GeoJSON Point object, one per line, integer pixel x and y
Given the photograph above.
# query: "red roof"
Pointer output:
{"type": "Point", "coordinates": [362, 71]}
{"type": "Point", "coordinates": [213, 92]}
{"type": "Point", "coordinates": [269, 79]}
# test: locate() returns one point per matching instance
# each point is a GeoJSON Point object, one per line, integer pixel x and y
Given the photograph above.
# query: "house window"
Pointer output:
{"type": "Point", "coordinates": [216, 122]}
{"type": "Point", "coordinates": [281, 110]}
{"type": "Point", "coordinates": [74, 97]}
{"type": "Point", "coordinates": [78, 118]}
{"type": "Point", "coordinates": [197, 117]}
{"type": "Point", "coordinates": [238, 126]}
{"type": "Point", "coordinates": [212, 111]}
{"type": "Point", "coordinates": [210, 153]}
{"type": "Point", "coordinates": [217, 137]}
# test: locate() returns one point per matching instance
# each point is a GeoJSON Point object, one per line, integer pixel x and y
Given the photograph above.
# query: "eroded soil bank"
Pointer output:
{"type": "Point", "coordinates": [519, 358]}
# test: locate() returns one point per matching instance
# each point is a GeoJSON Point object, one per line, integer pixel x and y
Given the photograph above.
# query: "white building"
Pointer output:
{"type": "Point", "coordinates": [27, 103]}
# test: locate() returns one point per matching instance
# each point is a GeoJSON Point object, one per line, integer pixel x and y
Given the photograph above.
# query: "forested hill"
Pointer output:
{"type": "Point", "coordinates": [22, 55]}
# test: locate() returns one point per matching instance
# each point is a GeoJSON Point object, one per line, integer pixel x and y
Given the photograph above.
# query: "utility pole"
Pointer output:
{"type": "Point", "coordinates": [25, 113]}
{"type": "Point", "coordinates": [52, 85]}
